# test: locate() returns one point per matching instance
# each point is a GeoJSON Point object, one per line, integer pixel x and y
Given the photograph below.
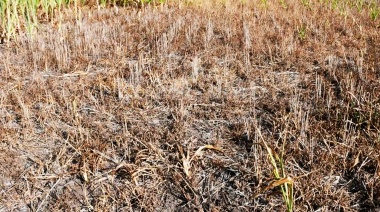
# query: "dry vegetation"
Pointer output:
{"type": "Point", "coordinates": [169, 108]}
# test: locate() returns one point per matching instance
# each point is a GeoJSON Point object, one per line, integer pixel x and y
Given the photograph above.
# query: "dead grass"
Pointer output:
{"type": "Point", "coordinates": [106, 112]}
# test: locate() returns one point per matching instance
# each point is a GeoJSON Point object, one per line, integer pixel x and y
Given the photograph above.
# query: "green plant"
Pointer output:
{"type": "Point", "coordinates": [334, 4]}
{"type": "Point", "coordinates": [306, 3]}
{"type": "Point", "coordinates": [359, 5]}
{"type": "Point", "coordinates": [283, 4]}
{"type": "Point", "coordinates": [20, 15]}
{"type": "Point", "coordinates": [264, 3]}
{"type": "Point", "coordinates": [281, 178]}
{"type": "Point", "coordinates": [302, 32]}
{"type": "Point", "coordinates": [374, 12]}
{"type": "Point", "coordinates": [103, 3]}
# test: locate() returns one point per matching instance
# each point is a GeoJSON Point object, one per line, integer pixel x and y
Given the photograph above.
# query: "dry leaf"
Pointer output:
{"type": "Point", "coordinates": [199, 151]}
{"type": "Point", "coordinates": [356, 161]}
{"type": "Point", "coordinates": [276, 183]}
{"type": "Point", "coordinates": [186, 161]}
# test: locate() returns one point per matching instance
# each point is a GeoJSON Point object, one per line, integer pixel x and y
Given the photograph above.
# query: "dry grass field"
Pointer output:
{"type": "Point", "coordinates": [193, 106]}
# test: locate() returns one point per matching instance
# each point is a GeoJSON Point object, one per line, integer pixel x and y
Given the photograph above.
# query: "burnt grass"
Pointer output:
{"type": "Point", "coordinates": [100, 113]}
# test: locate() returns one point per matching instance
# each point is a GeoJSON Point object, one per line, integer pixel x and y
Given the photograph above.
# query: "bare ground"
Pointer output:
{"type": "Point", "coordinates": [101, 112]}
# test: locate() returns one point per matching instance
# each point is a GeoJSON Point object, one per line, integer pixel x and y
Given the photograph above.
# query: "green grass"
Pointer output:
{"type": "Point", "coordinates": [281, 178]}
{"type": "Point", "coordinates": [24, 15]}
